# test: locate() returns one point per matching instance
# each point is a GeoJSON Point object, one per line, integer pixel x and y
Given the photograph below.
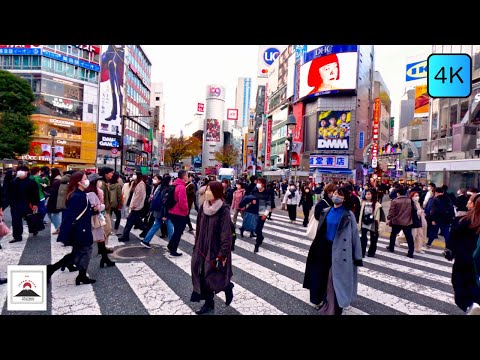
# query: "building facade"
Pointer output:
{"type": "Point", "coordinates": [125, 115]}
{"type": "Point", "coordinates": [242, 100]}
{"type": "Point", "coordinates": [453, 146]}
{"type": "Point", "coordinates": [64, 79]}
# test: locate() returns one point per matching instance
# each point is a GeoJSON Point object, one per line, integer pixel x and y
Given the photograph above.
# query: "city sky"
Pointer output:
{"type": "Point", "coordinates": [186, 70]}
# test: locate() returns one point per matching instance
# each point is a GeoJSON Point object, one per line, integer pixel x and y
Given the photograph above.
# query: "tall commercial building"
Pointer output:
{"type": "Point", "coordinates": [242, 100]}
{"type": "Point", "coordinates": [125, 114]}
{"type": "Point", "coordinates": [157, 124]}
{"type": "Point", "coordinates": [380, 90]}
{"type": "Point", "coordinates": [213, 137]}
{"type": "Point", "coordinates": [64, 79]}
{"type": "Point", "coordinates": [453, 146]}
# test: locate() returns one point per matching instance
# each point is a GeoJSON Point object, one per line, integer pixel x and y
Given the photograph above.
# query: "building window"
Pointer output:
{"type": "Point", "coordinates": [64, 48]}
{"type": "Point", "coordinates": [16, 62]}
{"type": "Point", "coordinates": [463, 110]}
{"type": "Point", "coordinates": [453, 115]}
{"type": "Point", "coordinates": [35, 62]}
{"type": "Point", "coordinates": [90, 108]}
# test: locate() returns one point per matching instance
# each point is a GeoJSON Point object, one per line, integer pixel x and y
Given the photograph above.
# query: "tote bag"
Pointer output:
{"type": "Point", "coordinates": [312, 226]}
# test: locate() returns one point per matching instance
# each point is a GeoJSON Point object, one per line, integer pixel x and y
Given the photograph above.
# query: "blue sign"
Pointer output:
{"type": "Point", "coordinates": [20, 51]}
{"type": "Point", "coordinates": [327, 50]}
{"type": "Point", "coordinates": [361, 139]}
{"type": "Point", "coordinates": [417, 70]}
{"type": "Point", "coordinates": [329, 161]}
{"type": "Point", "coordinates": [449, 75]}
{"type": "Point", "coordinates": [270, 55]}
{"type": "Point", "coordinates": [71, 61]}
{"type": "Point", "coordinates": [299, 51]}
{"type": "Point", "coordinates": [115, 144]}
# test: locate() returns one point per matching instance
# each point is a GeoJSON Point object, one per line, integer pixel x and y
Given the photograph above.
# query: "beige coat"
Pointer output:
{"type": "Point", "coordinates": [138, 198]}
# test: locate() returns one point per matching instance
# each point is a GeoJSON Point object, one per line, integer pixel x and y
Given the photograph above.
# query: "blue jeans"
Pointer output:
{"type": "Point", "coordinates": [169, 229]}
{"type": "Point", "coordinates": [55, 218]}
{"type": "Point", "coordinates": [445, 228]}
{"type": "Point", "coordinates": [42, 209]}
{"type": "Point", "coordinates": [153, 230]}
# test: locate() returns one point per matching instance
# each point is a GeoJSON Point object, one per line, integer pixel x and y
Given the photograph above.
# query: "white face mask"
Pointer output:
{"type": "Point", "coordinates": [259, 186]}
{"type": "Point", "coordinates": [134, 177]}
{"type": "Point", "coordinates": [155, 182]}
{"type": "Point", "coordinates": [292, 188]}
{"type": "Point", "coordinates": [85, 183]}
{"type": "Point", "coordinates": [21, 174]}
{"type": "Point", "coordinates": [416, 198]}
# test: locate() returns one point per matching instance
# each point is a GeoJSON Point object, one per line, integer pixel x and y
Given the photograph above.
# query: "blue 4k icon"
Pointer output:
{"type": "Point", "coordinates": [449, 75]}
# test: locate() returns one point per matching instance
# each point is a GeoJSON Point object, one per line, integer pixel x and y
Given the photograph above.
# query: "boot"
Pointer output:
{"type": "Point", "coordinates": [102, 250]}
{"type": "Point", "coordinates": [82, 278]}
{"type": "Point", "coordinates": [67, 262]}
{"type": "Point", "coordinates": [208, 307]}
{"type": "Point", "coordinates": [62, 263]}
{"type": "Point", "coordinates": [229, 294]}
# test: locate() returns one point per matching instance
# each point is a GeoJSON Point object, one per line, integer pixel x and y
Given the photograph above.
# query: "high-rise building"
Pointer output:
{"type": "Point", "coordinates": [380, 90]}
{"type": "Point", "coordinates": [124, 102]}
{"type": "Point", "coordinates": [157, 124]}
{"type": "Point", "coordinates": [453, 148]}
{"type": "Point", "coordinates": [242, 100]}
{"type": "Point", "coordinates": [213, 137]}
{"type": "Point", "coordinates": [64, 79]}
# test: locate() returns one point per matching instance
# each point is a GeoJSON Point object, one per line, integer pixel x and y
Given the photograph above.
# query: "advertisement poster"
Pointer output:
{"type": "Point", "coordinates": [268, 147]}
{"type": "Point", "coordinates": [39, 149]}
{"type": "Point", "coordinates": [422, 101]}
{"type": "Point", "coordinates": [212, 133]}
{"type": "Point", "coordinates": [111, 88]}
{"type": "Point", "coordinates": [333, 130]}
{"type": "Point", "coordinates": [328, 69]}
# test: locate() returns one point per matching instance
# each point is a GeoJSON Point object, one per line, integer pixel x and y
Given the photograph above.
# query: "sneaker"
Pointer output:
{"type": "Point", "coordinates": [474, 309]}
{"type": "Point", "coordinates": [144, 244]}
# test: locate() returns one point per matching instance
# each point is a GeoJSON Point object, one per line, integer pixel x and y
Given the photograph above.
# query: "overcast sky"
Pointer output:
{"type": "Point", "coordinates": [186, 70]}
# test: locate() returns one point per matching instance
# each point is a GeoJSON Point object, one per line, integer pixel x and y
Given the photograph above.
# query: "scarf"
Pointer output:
{"type": "Point", "coordinates": [212, 209]}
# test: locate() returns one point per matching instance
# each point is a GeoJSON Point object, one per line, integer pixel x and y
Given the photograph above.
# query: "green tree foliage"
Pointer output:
{"type": "Point", "coordinates": [16, 107]}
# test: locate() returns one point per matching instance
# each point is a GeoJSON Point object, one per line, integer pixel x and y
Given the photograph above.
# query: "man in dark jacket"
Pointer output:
{"type": "Point", "coordinates": [442, 214]}
{"type": "Point", "coordinates": [25, 200]}
{"type": "Point", "coordinates": [400, 218]}
{"type": "Point", "coordinates": [253, 184]}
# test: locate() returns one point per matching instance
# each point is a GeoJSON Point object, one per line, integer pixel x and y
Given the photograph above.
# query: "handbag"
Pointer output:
{"type": "Point", "coordinates": [417, 222]}
{"type": "Point", "coordinates": [368, 219]}
{"type": "Point", "coordinates": [96, 221]}
{"type": "Point", "coordinates": [284, 206]}
{"type": "Point", "coordinates": [4, 230]}
{"type": "Point", "coordinates": [67, 240]}
{"type": "Point", "coordinates": [312, 226]}
{"type": "Point", "coordinates": [34, 221]}
{"type": "Point", "coordinates": [103, 220]}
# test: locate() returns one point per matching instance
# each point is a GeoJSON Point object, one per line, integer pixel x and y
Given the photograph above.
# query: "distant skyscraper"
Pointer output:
{"type": "Point", "coordinates": [242, 100]}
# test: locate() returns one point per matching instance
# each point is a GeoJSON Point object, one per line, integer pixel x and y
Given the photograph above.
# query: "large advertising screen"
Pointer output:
{"type": "Point", "coordinates": [111, 88]}
{"type": "Point", "coordinates": [422, 101]}
{"type": "Point", "coordinates": [328, 69]}
{"type": "Point", "coordinates": [333, 130]}
{"type": "Point", "coordinates": [213, 130]}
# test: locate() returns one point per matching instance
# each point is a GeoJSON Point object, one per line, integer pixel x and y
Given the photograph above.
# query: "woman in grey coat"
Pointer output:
{"type": "Point", "coordinates": [331, 270]}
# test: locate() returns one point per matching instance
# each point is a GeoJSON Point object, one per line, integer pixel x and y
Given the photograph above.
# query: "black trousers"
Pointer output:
{"type": "Point", "coordinates": [407, 230]}
{"type": "Point", "coordinates": [179, 223]}
{"type": "Point", "coordinates": [292, 212]}
{"type": "Point", "coordinates": [18, 212]}
{"type": "Point", "coordinates": [118, 214]}
{"type": "Point", "coordinates": [306, 213]}
{"type": "Point", "coordinates": [258, 231]}
{"type": "Point", "coordinates": [373, 242]}
{"type": "Point", "coordinates": [135, 217]}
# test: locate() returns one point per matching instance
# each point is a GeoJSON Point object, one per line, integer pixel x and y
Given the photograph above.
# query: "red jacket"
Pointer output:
{"type": "Point", "coordinates": [181, 205]}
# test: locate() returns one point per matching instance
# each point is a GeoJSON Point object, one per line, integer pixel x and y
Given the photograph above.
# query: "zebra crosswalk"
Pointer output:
{"type": "Point", "coordinates": [269, 282]}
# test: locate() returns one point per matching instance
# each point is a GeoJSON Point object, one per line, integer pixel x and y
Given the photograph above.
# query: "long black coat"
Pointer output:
{"type": "Point", "coordinates": [213, 237]}
{"type": "Point", "coordinates": [79, 234]}
{"type": "Point", "coordinates": [463, 242]}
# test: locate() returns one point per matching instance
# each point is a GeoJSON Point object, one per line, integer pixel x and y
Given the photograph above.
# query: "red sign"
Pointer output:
{"type": "Point", "coordinates": [90, 48]}
{"type": "Point", "coordinates": [232, 114]}
{"type": "Point", "coordinates": [376, 121]}
{"type": "Point", "coordinates": [114, 151]}
{"type": "Point", "coordinates": [298, 110]}
{"type": "Point", "coordinates": [200, 107]}
{"type": "Point", "coordinates": [19, 46]}
{"type": "Point", "coordinates": [268, 143]}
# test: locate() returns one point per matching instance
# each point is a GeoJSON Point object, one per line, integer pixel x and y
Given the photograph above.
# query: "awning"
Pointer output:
{"type": "Point", "coordinates": [332, 171]}
{"type": "Point", "coordinates": [449, 165]}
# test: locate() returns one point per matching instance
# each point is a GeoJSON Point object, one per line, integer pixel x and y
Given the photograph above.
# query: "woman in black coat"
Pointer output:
{"type": "Point", "coordinates": [306, 201]}
{"type": "Point", "coordinates": [76, 230]}
{"type": "Point", "coordinates": [52, 211]}
{"type": "Point", "coordinates": [463, 242]}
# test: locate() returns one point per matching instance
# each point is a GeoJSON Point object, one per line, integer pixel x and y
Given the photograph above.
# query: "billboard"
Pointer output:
{"type": "Point", "coordinates": [422, 101]}
{"type": "Point", "coordinates": [212, 133]}
{"type": "Point", "coordinates": [329, 161]}
{"type": "Point", "coordinates": [333, 130]}
{"type": "Point", "coordinates": [232, 114]}
{"type": "Point", "coordinates": [111, 88]}
{"type": "Point", "coordinates": [416, 70]}
{"type": "Point", "coordinates": [266, 56]}
{"type": "Point", "coordinates": [215, 92]}
{"type": "Point", "coordinates": [328, 69]}
{"type": "Point", "coordinates": [268, 143]}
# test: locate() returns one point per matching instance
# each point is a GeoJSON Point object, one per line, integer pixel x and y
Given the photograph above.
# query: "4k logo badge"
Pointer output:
{"type": "Point", "coordinates": [27, 288]}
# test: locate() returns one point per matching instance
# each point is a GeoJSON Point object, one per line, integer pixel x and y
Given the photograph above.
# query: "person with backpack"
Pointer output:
{"type": "Point", "coordinates": [177, 206]}
{"type": "Point", "coordinates": [116, 199]}
{"type": "Point", "coordinates": [136, 205]}
{"type": "Point", "coordinates": [190, 189]}
{"type": "Point", "coordinates": [158, 207]}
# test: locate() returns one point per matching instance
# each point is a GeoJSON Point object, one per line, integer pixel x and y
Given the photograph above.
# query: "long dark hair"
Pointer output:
{"type": "Point", "coordinates": [374, 196]}
{"type": "Point", "coordinates": [73, 183]}
{"type": "Point", "coordinates": [347, 203]}
{"type": "Point", "coordinates": [54, 173]}
{"type": "Point", "coordinates": [216, 188]}
{"type": "Point", "coordinates": [473, 215]}
{"type": "Point", "coordinates": [92, 187]}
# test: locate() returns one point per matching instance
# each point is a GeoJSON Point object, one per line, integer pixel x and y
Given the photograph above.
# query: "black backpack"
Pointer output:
{"type": "Point", "coordinates": [168, 198]}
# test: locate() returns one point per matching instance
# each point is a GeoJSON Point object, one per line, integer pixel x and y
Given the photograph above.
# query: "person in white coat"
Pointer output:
{"type": "Point", "coordinates": [292, 199]}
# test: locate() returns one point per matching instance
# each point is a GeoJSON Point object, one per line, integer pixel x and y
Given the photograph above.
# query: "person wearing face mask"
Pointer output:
{"type": "Point", "coordinates": [177, 215]}
{"type": "Point", "coordinates": [333, 257]}
{"type": "Point", "coordinates": [306, 201]}
{"type": "Point", "coordinates": [24, 200]}
{"type": "Point", "coordinates": [211, 264]}
{"type": "Point", "coordinates": [369, 221]}
{"type": "Point", "coordinates": [138, 194]}
{"type": "Point", "coordinates": [116, 199]}
{"type": "Point", "coordinates": [461, 203]}
{"type": "Point", "coordinates": [292, 199]}
{"type": "Point", "coordinates": [326, 201]}
{"type": "Point", "coordinates": [149, 218]}
{"type": "Point", "coordinates": [76, 230]}
{"type": "Point", "coordinates": [238, 195]}
{"type": "Point", "coordinates": [419, 234]}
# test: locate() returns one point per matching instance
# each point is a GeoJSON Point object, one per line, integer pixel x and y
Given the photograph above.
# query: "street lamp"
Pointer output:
{"type": "Point", "coordinates": [53, 133]}
{"type": "Point", "coordinates": [291, 123]}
